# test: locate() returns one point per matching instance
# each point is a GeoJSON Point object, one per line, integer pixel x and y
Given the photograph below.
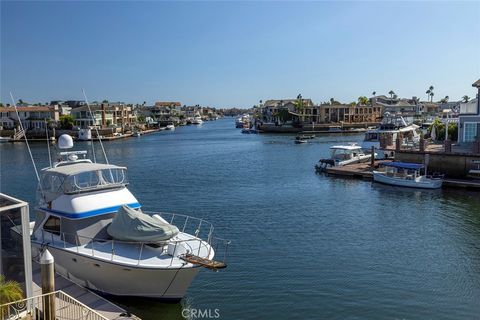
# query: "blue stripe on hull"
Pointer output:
{"type": "Point", "coordinates": [90, 213]}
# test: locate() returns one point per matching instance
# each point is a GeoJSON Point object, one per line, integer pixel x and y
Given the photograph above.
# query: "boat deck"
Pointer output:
{"type": "Point", "coordinates": [101, 305]}
{"type": "Point", "coordinates": [137, 254]}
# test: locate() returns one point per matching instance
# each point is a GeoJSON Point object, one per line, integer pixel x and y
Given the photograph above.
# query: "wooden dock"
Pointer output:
{"type": "Point", "coordinates": [364, 171]}
{"type": "Point", "coordinates": [85, 296]}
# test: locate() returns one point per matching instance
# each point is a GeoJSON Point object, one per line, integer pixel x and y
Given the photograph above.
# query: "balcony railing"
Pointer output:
{"type": "Point", "coordinates": [66, 307]}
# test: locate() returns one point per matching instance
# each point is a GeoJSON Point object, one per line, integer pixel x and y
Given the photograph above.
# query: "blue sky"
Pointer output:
{"type": "Point", "coordinates": [227, 54]}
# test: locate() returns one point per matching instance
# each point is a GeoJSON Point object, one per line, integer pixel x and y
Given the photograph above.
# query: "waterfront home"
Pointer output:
{"type": "Point", "coordinates": [342, 113]}
{"type": "Point", "coordinates": [104, 115]}
{"type": "Point", "coordinates": [280, 111]}
{"type": "Point", "coordinates": [32, 117]}
{"type": "Point", "coordinates": [469, 119]}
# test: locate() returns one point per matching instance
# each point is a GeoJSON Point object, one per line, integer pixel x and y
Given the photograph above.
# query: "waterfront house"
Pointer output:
{"type": "Point", "coordinates": [104, 115]}
{"type": "Point", "coordinates": [279, 111]}
{"type": "Point", "coordinates": [32, 117]}
{"type": "Point", "coordinates": [342, 113]}
{"type": "Point", "coordinates": [469, 119]}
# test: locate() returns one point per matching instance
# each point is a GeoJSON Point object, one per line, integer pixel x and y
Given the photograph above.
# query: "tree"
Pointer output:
{"type": "Point", "coordinates": [431, 96]}
{"type": "Point", "coordinates": [105, 101]}
{"type": "Point", "coordinates": [465, 98]}
{"type": "Point", "coordinates": [66, 122]}
{"type": "Point", "coordinates": [108, 122]}
{"type": "Point", "coordinates": [10, 291]}
{"type": "Point", "coordinates": [391, 93]}
{"type": "Point", "coordinates": [299, 105]}
{"type": "Point", "coordinates": [445, 100]}
{"type": "Point", "coordinates": [362, 100]}
{"type": "Point", "coordinates": [20, 101]}
{"type": "Point", "coordinates": [374, 93]}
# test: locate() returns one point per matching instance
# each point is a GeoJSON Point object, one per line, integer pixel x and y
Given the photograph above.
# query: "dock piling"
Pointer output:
{"type": "Point", "coordinates": [48, 284]}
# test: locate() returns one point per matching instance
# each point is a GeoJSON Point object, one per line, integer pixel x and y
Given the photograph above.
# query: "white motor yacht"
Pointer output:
{"type": "Point", "coordinates": [197, 120]}
{"type": "Point", "coordinates": [342, 155]}
{"type": "Point", "coordinates": [389, 129]}
{"type": "Point", "coordinates": [405, 174]}
{"type": "Point", "coordinates": [101, 239]}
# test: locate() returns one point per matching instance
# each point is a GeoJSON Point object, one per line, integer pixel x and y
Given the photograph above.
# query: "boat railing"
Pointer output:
{"type": "Point", "coordinates": [201, 243]}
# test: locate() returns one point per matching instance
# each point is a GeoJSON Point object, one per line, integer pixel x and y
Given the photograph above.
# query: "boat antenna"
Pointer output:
{"type": "Point", "coordinates": [48, 144]}
{"type": "Point", "coordinates": [96, 129]}
{"type": "Point", "coordinates": [26, 140]}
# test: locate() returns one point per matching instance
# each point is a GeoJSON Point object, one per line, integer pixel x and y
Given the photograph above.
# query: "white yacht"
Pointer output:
{"type": "Point", "coordinates": [342, 155]}
{"type": "Point", "coordinates": [243, 121]}
{"type": "Point", "coordinates": [197, 120]}
{"type": "Point", "coordinates": [170, 127]}
{"type": "Point", "coordinates": [100, 238]}
{"type": "Point", "coordinates": [405, 174]}
{"type": "Point", "coordinates": [389, 129]}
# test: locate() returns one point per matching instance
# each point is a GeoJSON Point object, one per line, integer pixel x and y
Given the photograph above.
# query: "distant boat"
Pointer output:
{"type": "Point", "coordinates": [3, 139]}
{"type": "Point", "coordinates": [249, 131]}
{"type": "Point", "coordinates": [300, 141]}
{"type": "Point", "coordinates": [170, 127]}
{"type": "Point", "coordinates": [406, 174]}
{"type": "Point", "coordinates": [136, 134]}
{"type": "Point", "coordinates": [305, 137]}
{"type": "Point", "coordinates": [197, 120]}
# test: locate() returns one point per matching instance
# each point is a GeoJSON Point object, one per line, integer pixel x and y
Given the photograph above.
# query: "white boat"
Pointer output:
{"type": "Point", "coordinates": [197, 120]}
{"type": "Point", "coordinates": [170, 127]}
{"type": "Point", "coordinates": [136, 134]}
{"type": "Point", "coordinates": [342, 155]}
{"type": "Point", "coordinates": [4, 139]}
{"type": "Point", "coordinates": [405, 174]}
{"type": "Point", "coordinates": [389, 130]}
{"type": "Point", "coordinates": [243, 121]}
{"type": "Point", "coordinates": [100, 238]}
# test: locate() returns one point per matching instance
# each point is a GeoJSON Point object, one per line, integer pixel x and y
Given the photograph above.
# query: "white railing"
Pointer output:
{"type": "Point", "coordinates": [66, 307]}
{"type": "Point", "coordinates": [107, 248]}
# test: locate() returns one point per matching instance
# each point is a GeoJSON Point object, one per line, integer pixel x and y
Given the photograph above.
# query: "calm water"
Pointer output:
{"type": "Point", "coordinates": [303, 245]}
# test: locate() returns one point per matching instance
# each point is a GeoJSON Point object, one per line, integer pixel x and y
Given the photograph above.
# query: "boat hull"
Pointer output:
{"type": "Point", "coordinates": [424, 184]}
{"type": "Point", "coordinates": [121, 280]}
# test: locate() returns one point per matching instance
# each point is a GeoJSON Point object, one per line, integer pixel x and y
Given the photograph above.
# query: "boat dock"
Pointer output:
{"type": "Point", "coordinates": [364, 171]}
{"type": "Point", "coordinates": [92, 300]}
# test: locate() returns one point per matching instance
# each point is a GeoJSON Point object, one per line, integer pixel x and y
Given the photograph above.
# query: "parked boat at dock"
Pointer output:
{"type": "Point", "coordinates": [389, 130]}
{"type": "Point", "coordinates": [406, 174]}
{"type": "Point", "coordinates": [170, 127]}
{"type": "Point", "coordinates": [242, 121]}
{"type": "Point", "coordinates": [102, 240]}
{"type": "Point", "coordinates": [197, 120]}
{"type": "Point", "coordinates": [341, 155]}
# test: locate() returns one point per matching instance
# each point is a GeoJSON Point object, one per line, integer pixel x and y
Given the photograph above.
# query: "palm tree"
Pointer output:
{"type": "Point", "coordinates": [374, 93]}
{"type": "Point", "coordinates": [10, 291]}
{"type": "Point", "coordinates": [362, 100]}
{"type": "Point", "coordinates": [428, 93]}
{"type": "Point", "coordinates": [465, 98]}
{"type": "Point", "coordinates": [391, 93]}
{"type": "Point", "coordinates": [431, 96]}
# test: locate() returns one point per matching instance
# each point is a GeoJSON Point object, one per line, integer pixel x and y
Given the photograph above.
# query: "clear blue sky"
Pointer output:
{"type": "Point", "coordinates": [227, 54]}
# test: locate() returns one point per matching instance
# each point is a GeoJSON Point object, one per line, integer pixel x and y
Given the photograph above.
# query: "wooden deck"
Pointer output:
{"type": "Point", "coordinates": [85, 296]}
{"type": "Point", "coordinates": [364, 171]}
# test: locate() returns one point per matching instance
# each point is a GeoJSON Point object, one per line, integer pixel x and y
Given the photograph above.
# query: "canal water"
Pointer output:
{"type": "Point", "coordinates": [304, 245]}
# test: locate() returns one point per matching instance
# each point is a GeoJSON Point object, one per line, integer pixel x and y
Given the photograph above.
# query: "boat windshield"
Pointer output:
{"type": "Point", "coordinates": [54, 184]}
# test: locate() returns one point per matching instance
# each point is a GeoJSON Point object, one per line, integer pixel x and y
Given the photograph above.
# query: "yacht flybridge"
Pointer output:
{"type": "Point", "coordinates": [101, 239]}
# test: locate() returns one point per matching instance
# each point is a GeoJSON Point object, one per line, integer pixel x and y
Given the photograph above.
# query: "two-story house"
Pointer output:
{"type": "Point", "coordinates": [32, 117]}
{"type": "Point", "coordinates": [469, 119]}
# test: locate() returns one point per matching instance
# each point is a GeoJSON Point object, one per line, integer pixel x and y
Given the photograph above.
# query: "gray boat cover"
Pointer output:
{"type": "Point", "coordinates": [134, 225]}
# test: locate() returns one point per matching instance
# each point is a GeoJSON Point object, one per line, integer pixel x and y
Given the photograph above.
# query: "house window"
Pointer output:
{"type": "Point", "coordinates": [52, 225]}
{"type": "Point", "coordinates": [470, 131]}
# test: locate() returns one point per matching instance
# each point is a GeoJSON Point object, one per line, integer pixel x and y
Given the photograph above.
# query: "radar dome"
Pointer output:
{"type": "Point", "coordinates": [65, 141]}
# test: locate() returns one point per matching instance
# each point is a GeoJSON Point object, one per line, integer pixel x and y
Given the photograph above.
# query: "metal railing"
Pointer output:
{"type": "Point", "coordinates": [66, 307]}
{"type": "Point", "coordinates": [108, 248]}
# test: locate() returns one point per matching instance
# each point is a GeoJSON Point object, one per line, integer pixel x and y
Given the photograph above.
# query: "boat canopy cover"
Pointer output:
{"type": "Point", "coordinates": [403, 165]}
{"type": "Point", "coordinates": [81, 167]}
{"type": "Point", "coordinates": [134, 225]}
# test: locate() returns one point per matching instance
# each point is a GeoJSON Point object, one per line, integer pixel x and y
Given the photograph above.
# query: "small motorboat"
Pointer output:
{"type": "Point", "coordinates": [406, 174]}
{"type": "Point", "coordinates": [170, 127]}
{"type": "Point", "coordinates": [300, 141]}
{"type": "Point", "coordinates": [249, 131]}
{"type": "Point", "coordinates": [305, 137]}
{"type": "Point", "coordinates": [136, 134]}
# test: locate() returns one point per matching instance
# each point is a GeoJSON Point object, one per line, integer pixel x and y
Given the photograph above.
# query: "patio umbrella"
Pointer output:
{"type": "Point", "coordinates": [433, 134]}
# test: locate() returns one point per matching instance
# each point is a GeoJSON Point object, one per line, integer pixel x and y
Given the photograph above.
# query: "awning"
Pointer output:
{"type": "Point", "coordinates": [403, 165]}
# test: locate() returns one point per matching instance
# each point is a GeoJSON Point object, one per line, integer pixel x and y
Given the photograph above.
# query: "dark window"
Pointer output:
{"type": "Point", "coordinates": [52, 225]}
